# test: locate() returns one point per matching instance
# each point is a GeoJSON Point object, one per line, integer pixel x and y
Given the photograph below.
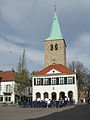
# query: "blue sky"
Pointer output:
{"type": "Point", "coordinates": [25, 24]}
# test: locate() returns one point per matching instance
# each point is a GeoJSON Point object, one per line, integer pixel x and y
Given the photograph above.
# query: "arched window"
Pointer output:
{"type": "Point", "coordinates": [54, 96]}
{"type": "Point", "coordinates": [70, 95]}
{"type": "Point", "coordinates": [56, 46]}
{"type": "Point", "coordinates": [62, 95]}
{"type": "Point", "coordinates": [45, 95]}
{"type": "Point", "coordinates": [51, 47]}
{"type": "Point", "coordinates": [38, 96]}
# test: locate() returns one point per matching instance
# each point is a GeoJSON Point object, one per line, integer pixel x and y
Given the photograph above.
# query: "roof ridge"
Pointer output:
{"type": "Point", "coordinates": [59, 67]}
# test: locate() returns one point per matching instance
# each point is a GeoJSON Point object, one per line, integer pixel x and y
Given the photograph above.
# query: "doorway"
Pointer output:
{"type": "Point", "coordinates": [61, 95]}
{"type": "Point", "coordinates": [54, 97]}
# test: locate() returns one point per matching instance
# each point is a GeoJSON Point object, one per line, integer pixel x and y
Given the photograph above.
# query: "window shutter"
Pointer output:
{"type": "Point", "coordinates": [49, 81]}
{"type": "Point", "coordinates": [34, 81]}
{"type": "Point", "coordinates": [73, 80]}
{"type": "Point", "coordinates": [65, 80]}
{"type": "Point", "coordinates": [57, 81]}
{"type": "Point", "coordinates": [41, 81]}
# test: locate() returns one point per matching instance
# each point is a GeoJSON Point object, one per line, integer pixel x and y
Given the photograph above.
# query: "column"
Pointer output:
{"type": "Point", "coordinates": [34, 96]}
{"type": "Point", "coordinates": [57, 96]}
{"type": "Point", "coordinates": [66, 94]}
{"type": "Point", "coordinates": [49, 96]}
{"type": "Point", "coordinates": [42, 97]}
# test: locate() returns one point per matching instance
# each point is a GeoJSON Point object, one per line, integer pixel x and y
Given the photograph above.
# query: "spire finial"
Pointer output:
{"type": "Point", "coordinates": [55, 7]}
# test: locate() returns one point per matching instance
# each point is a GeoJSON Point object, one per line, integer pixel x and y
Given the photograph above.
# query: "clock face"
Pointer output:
{"type": "Point", "coordinates": [53, 61]}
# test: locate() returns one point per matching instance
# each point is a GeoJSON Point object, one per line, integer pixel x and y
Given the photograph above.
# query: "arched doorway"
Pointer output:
{"type": "Point", "coordinates": [61, 95]}
{"type": "Point", "coordinates": [38, 96]}
{"type": "Point", "coordinates": [45, 95]}
{"type": "Point", "coordinates": [70, 95]}
{"type": "Point", "coordinates": [54, 96]}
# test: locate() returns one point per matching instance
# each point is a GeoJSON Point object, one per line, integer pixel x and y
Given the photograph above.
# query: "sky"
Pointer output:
{"type": "Point", "coordinates": [25, 24]}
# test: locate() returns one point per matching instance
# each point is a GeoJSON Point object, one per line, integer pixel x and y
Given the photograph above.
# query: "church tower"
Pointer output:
{"type": "Point", "coordinates": [55, 47]}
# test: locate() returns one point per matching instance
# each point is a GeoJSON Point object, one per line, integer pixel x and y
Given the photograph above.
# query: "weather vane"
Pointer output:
{"type": "Point", "coordinates": [55, 7]}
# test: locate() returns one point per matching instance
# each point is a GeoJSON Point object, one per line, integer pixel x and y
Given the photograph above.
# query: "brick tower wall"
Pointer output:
{"type": "Point", "coordinates": [57, 56]}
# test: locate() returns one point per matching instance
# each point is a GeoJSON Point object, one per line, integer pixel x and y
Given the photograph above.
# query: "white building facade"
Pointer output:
{"type": "Point", "coordinates": [55, 81]}
{"type": "Point", "coordinates": [7, 93]}
{"type": "Point", "coordinates": [7, 88]}
{"type": "Point", "coordinates": [54, 84]}
{"type": "Point", "coordinates": [7, 83]}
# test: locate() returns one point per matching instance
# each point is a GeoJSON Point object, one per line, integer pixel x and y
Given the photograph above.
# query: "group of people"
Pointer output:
{"type": "Point", "coordinates": [61, 101]}
{"type": "Point", "coordinates": [46, 103]}
{"type": "Point", "coordinates": [83, 100]}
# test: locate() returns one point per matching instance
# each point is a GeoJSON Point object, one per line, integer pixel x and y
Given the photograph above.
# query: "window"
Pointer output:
{"type": "Point", "coordinates": [38, 81]}
{"type": "Point", "coordinates": [38, 96]}
{"type": "Point", "coordinates": [51, 47]}
{"type": "Point", "coordinates": [53, 81]}
{"type": "Point", "coordinates": [46, 81]}
{"type": "Point", "coordinates": [45, 95]}
{"type": "Point", "coordinates": [61, 80]}
{"type": "Point", "coordinates": [0, 88]}
{"type": "Point", "coordinates": [70, 80]}
{"type": "Point", "coordinates": [8, 88]}
{"type": "Point", "coordinates": [1, 99]}
{"type": "Point", "coordinates": [7, 99]}
{"type": "Point", "coordinates": [56, 46]}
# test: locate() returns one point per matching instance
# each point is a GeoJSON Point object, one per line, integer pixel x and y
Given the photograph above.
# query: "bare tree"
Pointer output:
{"type": "Point", "coordinates": [81, 72]}
{"type": "Point", "coordinates": [88, 85]}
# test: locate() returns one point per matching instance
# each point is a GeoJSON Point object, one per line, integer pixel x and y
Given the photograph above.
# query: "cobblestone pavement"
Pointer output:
{"type": "Point", "coordinates": [16, 113]}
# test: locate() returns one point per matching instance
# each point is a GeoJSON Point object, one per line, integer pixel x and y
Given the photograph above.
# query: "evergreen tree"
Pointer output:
{"type": "Point", "coordinates": [22, 76]}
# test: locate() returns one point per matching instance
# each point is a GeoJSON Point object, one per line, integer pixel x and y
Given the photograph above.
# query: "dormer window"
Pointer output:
{"type": "Point", "coordinates": [56, 46]}
{"type": "Point", "coordinates": [51, 47]}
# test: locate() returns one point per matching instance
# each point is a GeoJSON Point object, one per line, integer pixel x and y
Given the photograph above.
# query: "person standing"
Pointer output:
{"type": "Point", "coordinates": [65, 101]}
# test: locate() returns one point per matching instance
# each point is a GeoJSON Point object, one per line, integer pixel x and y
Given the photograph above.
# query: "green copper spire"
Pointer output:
{"type": "Point", "coordinates": [55, 32]}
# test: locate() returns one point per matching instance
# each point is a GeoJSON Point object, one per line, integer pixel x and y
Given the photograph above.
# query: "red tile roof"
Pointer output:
{"type": "Point", "coordinates": [7, 75]}
{"type": "Point", "coordinates": [58, 67]}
